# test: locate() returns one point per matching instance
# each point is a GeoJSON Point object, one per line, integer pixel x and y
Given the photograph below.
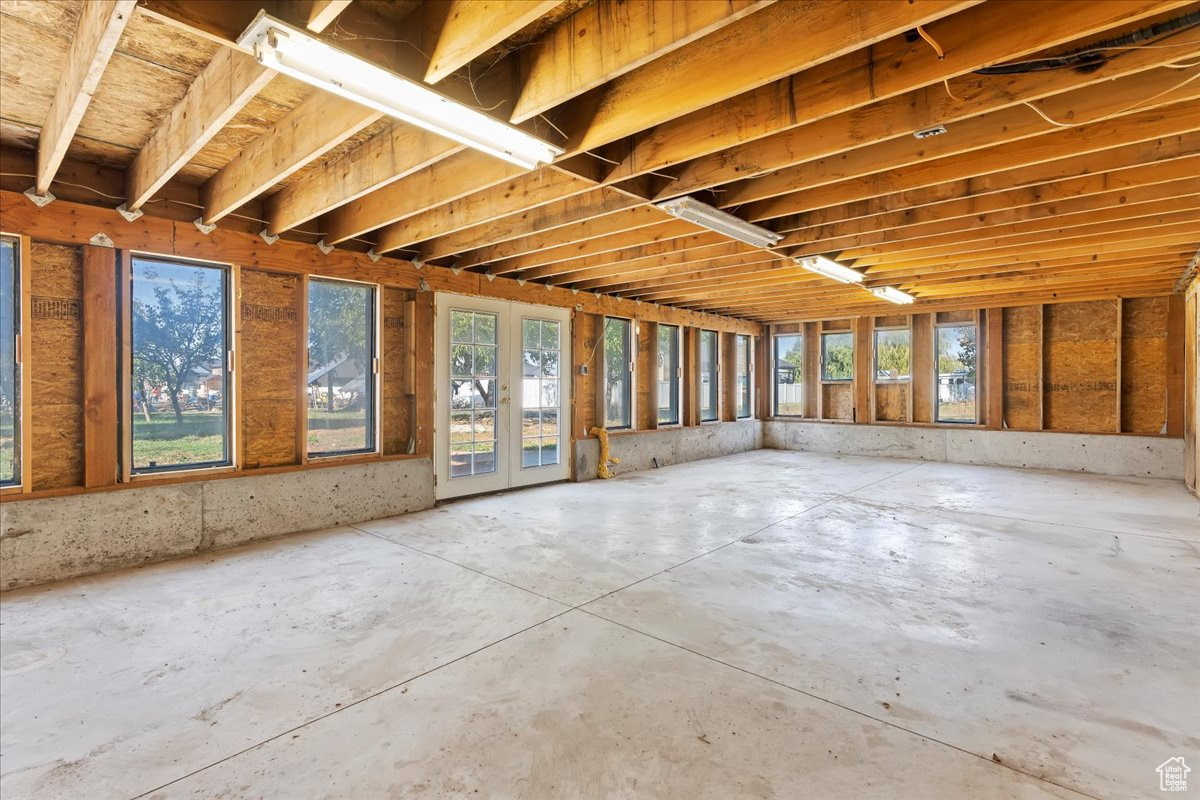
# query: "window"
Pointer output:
{"type": "Point", "coordinates": [709, 381]}
{"type": "Point", "coordinates": [893, 354]}
{"type": "Point", "coordinates": [180, 369]}
{"type": "Point", "coordinates": [837, 356]}
{"type": "Point", "coordinates": [745, 362]}
{"type": "Point", "coordinates": [618, 373]}
{"type": "Point", "coordinates": [540, 356]}
{"type": "Point", "coordinates": [10, 366]}
{"type": "Point", "coordinates": [668, 374]}
{"type": "Point", "coordinates": [956, 373]}
{"type": "Point", "coordinates": [341, 368]}
{"type": "Point", "coordinates": [474, 399]}
{"type": "Point", "coordinates": [789, 376]}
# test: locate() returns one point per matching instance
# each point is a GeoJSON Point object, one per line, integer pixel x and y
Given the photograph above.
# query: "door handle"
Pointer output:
{"type": "Point", "coordinates": [504, 400]}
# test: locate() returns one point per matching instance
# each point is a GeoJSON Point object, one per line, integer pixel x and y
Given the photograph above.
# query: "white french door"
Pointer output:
{"type": "Point", "coordinates": [503, 386]}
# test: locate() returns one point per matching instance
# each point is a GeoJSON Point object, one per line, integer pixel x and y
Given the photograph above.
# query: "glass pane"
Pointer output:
{"type": "Point", "coordinates": [461, 393]}
{"type": "Point", "coordinates": [549, 335]}
{"type": "Point", "coordinates": [178, 370]}
{"type": "Point", "coordinates": [549, 394]}
{"type": "Point", "coordinates": [460, 460]}
{"type": "Point", "coordinates": [485, 457]}
{"type": "Point", "coordinates": [550, 363]}
{"type": "Point", "coordinates": [341, 382]}
{"type": "Point", "coordinates": [550, 423]}
{"type": "Point", "coordinates": [531, 334]}
{"type": "Point", "coordinates": [462, 360]}
{"type": "Point", "coordinates": [837, 356]}
{"type": "Point", "coordinates": [485, 329]}
{"type": "Point", "coordinates": [10, 377]}
{"type": "Point", "coordinates": [531, 424]}
{"type": "Point", "coordinates": [549, 452]}
{"type": "Point", "coordinates": [668, 374]}
{"type": "Point", "coordinates": [956, 373]}
{"type": "Point", "coordinates": [485, 392]}
{"type": "Point", "coordinates": [893, 355]}
{"type": "Point", "coordinates": [485, 361]}
{"type": "Point", "coordinates": [461, 326]}
{"type": "Point", "coordinates": [709, 382]}
{"type": "Point", "coordinates": [460, 426]}
{"type": "Point", "coordinates": [618, 399]}
{"type": "Point", "coordinates": [484, 426]}
{"type": "Point", "coordinates": [789, 376]}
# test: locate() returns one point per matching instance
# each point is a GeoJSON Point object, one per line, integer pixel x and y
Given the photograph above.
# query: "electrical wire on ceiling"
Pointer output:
{"type": "Point", "coordinates": [1138, 104]}
{"type": "Point", "coordinates": [1093, 56]}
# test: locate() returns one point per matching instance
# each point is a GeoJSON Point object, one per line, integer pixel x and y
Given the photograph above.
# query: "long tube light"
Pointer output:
{"type": "Point", "coordinates": [892, 294]}
{"type": "Point", "coordinates": [704, 215]}
{"type": "Point", "coordinates": [281, 47]}
{"type": "Point", "coordinates": [830, 269]}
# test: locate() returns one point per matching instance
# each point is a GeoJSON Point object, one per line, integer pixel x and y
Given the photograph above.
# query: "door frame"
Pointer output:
{"type": "Point", "coordinates": [509, 472]}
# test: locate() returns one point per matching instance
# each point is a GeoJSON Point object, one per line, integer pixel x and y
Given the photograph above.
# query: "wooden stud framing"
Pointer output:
{"type": "Point", "coordinates": [100, 434]}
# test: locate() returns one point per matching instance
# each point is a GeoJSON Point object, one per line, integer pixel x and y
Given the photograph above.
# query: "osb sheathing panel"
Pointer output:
{"type": "Point", "coordinates": [1081, 366]}
{"type": "Point", "coordinates": [56, 366]}
{"type": "Point", "coordinates": [396, 422]}
{"type": "Point", "coordinates": [269, 338]}
{"type": "Point", "coordinates": [1022, 367]}
{"type": "Point", "coordinates": [891, 402]}
{"type": "Point", "coordinates": [1144, 364]}
{"type": "Point", "coordinates": [838, 401]}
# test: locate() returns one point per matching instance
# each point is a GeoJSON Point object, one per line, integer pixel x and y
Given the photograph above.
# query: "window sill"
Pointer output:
{"type": "Point", "coordinates": [175, 474]}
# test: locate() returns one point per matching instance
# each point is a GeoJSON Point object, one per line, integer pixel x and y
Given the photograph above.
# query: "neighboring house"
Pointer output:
{"type": "Point", "coordinates": [342, 377]}
{"type": "Point", "coordinates": [1172, 775]}
{"type": "Point", "coordinates": [785, 372]}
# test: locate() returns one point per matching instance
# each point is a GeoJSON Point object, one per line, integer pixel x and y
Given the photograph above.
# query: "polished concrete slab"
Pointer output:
{"type": "Point", "coordinates": [770, 624]}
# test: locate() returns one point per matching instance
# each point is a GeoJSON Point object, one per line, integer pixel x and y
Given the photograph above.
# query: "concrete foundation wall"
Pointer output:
{"type": "Point", "coordinates": [1143, 456]}
{"type": "Point", "coordinates": [64, 537]}
{"type": "Point", "coordinates": [638, 451]}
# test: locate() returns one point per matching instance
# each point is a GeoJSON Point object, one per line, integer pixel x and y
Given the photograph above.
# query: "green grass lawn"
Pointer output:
{"type": "Point", "coordinates": [948, 412]}
{"type": "Point", "coordinates": [161, 441]}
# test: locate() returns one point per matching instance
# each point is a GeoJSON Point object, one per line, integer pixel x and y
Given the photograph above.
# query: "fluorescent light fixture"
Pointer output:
{"type": "Point", "coordinates": [704, 215]}
{"type": "Point", "coordinates": [286, 49]}
{"type": "Point", "coordinates": [830, 269]}
{"type": "Point", "coordinates": [892, 295]}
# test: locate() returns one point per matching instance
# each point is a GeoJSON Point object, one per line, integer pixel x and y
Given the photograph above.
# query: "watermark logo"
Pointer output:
{"type": "Point", "coordinates": [1172, 775]}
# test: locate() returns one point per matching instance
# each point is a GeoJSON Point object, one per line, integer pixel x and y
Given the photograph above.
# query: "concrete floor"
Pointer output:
{"type": "Point", "coordinates": [772, 624]}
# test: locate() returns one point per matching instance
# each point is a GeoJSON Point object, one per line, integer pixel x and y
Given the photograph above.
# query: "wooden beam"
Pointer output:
{"type": "Point", "coordinates": [972, 112]}
{"type": "Point", "coordinates": [456, 32]}
{"type": "Point", "coordinates": [608, 38]}
{"type": "Point", "coordinates": [317, 15]}
{"type": "Point", "coordinates": [882, 71]}
{"type": "Point", "coordinates": [218, 93]}
{"type": "Point", "coordinates": [400, 151]}
{"type": "Point", "coordinates": [1176, 369]}
{"type": "Point", "coordinates": [993, 370]}
{"type": "Point", "coordinates": [787, 37]}
{"type": "Point", "coordinates": [1007, 126]}
{"type": "Point", "coordinates": [100, 26]}
{"type": "Point", "coordinates": [1145, 126]}
{"type": "Point", "coordinates": [99, 366]}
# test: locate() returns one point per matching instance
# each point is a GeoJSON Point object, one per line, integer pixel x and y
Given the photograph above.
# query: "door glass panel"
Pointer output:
{"type": "Point", "coordinates": [540, 357]}
{"type": "Point", "coordinates": [473, 393]}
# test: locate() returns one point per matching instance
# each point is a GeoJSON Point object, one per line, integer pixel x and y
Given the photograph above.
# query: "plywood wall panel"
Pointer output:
{"type": "Point", "coordinates": [1144, 364]}
{"type": "Point", "coordinates": [1023, 367]}
{"type": "Point", "coordinates": [891, 402]}
{"type": "Point", "coordinates": [837, 401]}
{"type": "Point", "coordinates": [269, 318]}
{"type": "Point", "coordinates": [56, 366]}
{"type": "Point", "coordinates": [1080, 366]}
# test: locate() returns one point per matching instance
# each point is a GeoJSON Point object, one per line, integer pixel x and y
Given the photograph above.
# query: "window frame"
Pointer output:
{"type": "Point", "coordinates": [22, 345]}
{"type": "Point", "coordinates": [775, 374]}
{"type": "Point", "coordinates": [853, 357]}
{"type": "Point", "coordinates": [937, 405]}
{"type": "Point", "coordinates": [676, 379]}
{"type": "Point", "coordinates": [373, 360]}
{"type": "Point", "coordinates": [744, 345]}
{"type": "Point", "coordinates": [230, 378]}
{"type": "Point", "coordinates": [715, 375]}
{"type": "Point", "coordinates": [875, 355]}
{"type": "Point", "coordinates": [630, 372]}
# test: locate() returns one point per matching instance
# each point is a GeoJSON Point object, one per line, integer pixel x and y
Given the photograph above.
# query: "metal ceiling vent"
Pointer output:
{"type": "Point", "coordinates": [925, 133]}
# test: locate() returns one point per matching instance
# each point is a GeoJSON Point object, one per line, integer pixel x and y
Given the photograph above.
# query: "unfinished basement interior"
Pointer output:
{"type": "Point", "coordinates": [599, 399]}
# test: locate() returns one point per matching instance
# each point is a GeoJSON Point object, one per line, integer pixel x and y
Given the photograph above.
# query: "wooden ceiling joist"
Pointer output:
{"type": "Point", "coordinates": [456, 32]}
{"type": "Point", "coordinates": [100, 26]}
